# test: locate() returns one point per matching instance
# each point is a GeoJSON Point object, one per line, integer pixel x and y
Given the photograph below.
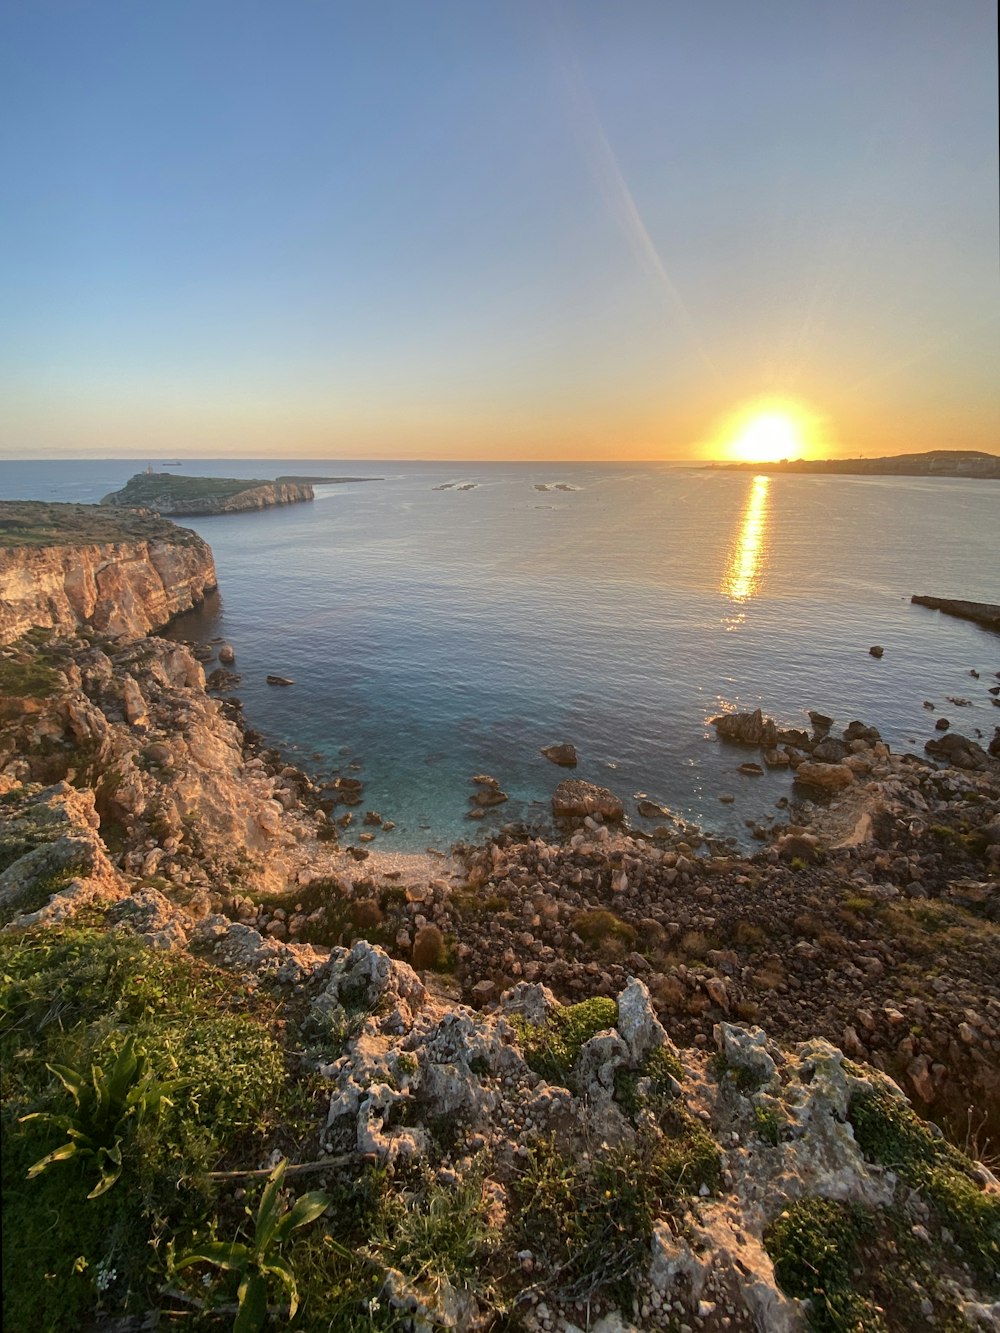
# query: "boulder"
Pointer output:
{"type": "Point", "coordinates": [575, 799]}
{"type": "Point", "coordinates": [824, 777]}
{"type": "Point", "coordinates": [748, 728]}
{"type": "Point", "coordinates": [650, 810]}
{"type": "Point", "coordinates": [830, 751]}
{"type": "Point", "coordinates": [959, 751]}
{"type": "Point", "coordinates": [562, 754]}
{"type": "Point", "coordinates": [858, 731]}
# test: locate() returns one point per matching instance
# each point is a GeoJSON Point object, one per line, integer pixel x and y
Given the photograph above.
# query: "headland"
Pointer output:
{"type": "Point", "coordinates": [968, 463]}
{"type": "Point", "coordinates": [181, 496]}
{"type": "Point", "coordinates": [590, 1078]}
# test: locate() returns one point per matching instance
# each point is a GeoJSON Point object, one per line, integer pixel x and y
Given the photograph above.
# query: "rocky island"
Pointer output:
{"type": "Point", "coordinates": [934, 463]}
{"type": "Point", "coordinates": [180, 496]}
{"type": "Point", "coordinates": [588, 1079]}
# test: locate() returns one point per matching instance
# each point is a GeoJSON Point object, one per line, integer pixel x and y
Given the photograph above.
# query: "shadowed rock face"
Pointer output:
{"type": "Point", "coordinates": [127, 582]}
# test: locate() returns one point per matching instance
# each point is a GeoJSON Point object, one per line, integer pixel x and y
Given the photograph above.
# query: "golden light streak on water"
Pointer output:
{"type": "Point", "coordinates": [743, 573]}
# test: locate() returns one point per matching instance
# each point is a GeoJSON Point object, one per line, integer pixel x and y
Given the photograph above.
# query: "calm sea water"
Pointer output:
{"type": "Point", "coordinates": [437, 633]}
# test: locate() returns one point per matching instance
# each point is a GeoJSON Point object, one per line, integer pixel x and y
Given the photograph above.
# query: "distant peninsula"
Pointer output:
{"type": "Point", "coordinates": [935, 463]}
{"type": "Point", "coordinates": [174, 495]}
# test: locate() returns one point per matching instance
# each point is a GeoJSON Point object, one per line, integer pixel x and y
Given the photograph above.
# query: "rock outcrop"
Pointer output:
{"type": "Point", "coordinates": [134, 583]}
{"type": "Point", "coordinates": [179, 496]}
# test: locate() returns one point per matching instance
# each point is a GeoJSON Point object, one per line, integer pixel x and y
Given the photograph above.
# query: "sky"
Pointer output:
{"type": "Point", "coordinates": [532, 229]}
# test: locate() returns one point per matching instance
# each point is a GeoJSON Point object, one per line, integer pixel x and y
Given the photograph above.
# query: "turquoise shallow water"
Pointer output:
{"type": "Point", "coordinates": [433, 634]}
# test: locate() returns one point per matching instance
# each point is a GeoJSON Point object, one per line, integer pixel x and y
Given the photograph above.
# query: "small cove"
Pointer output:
{"type": "Point", "coordinates": [451, 619]}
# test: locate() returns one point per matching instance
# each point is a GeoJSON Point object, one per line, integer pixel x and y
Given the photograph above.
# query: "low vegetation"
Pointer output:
{"type": "Point", "coordinates": [39, 523]}
{"type": "Point", "coordinates": [552, 1048]}
{"type": "Point", "coordinates": [890, 1133]}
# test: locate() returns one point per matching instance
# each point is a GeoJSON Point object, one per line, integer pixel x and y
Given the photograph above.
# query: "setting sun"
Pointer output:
{"type": "Point", "coordinates": [766, 439]}
{"type": "Point", "coordinates": [767, 431]}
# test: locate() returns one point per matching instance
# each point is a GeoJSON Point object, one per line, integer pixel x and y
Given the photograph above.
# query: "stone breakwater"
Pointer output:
{"type": "Point", "coordinates": [986, 614]}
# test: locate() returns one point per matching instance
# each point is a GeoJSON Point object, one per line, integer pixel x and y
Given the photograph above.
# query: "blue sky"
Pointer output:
{"type": "Point", "coordinates": [498, 230]}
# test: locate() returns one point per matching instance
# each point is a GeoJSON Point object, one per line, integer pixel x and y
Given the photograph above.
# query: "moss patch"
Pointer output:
{"type": "Point", "coordinates": [551, 1049]}
{"type": "Point", "coordinates": [890, 1133]}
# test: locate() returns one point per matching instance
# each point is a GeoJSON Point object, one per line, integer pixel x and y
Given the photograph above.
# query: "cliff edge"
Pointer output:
{"type": "Point", "coordinates": [63, 566]}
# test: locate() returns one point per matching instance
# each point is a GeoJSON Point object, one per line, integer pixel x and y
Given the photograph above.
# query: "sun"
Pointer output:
{"type": "Point", "coordinates": [766, 439]}
{"type": "Point", "coordinates": [767, 431]}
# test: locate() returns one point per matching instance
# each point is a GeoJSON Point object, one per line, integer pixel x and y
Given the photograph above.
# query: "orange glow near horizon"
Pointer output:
{"type": "Point", "coordinates": [768, 431]}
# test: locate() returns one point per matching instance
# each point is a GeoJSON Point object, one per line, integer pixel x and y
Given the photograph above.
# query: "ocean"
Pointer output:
{"type": "Point", "coordinates": [450, 619]}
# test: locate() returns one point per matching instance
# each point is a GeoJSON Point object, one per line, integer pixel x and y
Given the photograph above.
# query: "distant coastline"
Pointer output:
{"type": "Point", "coordinates": [184, 496]}
{"type": "Point", "coordinates": [934, 463]}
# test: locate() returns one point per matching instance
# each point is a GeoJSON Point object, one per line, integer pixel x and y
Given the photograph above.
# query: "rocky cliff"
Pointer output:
{"type": "Point", "coordinates": [61, 569]}
{"type": "Point", "coordinates": [179, 496]}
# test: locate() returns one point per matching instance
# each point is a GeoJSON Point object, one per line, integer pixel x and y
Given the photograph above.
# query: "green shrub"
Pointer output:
{"type": "Point", "coordinates": [551, 1048]}
{"type": "Point", "coordinates": [814, 1246]}
{"type": "Point", "coordinates": [77, 999]}
{"type": "Point", "coordinates": [109, 1107]}
{"type": "Point", "coordinates": [888, 1131]}
{"type": "Point", "coordinates": [429, 948]}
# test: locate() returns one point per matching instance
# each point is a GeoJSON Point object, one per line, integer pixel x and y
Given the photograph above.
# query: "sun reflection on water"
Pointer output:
{"type": "Point", "coordinates": [743, 572]}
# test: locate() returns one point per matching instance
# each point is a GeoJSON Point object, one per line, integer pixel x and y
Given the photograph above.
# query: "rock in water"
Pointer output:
{"type": "Point", "coordinates": [563, 754]}
{"type": "Point", "coordinates": [575, 799]}
{"type": "Point", "coordinates": [876, 650]}
{"type": "Point", "coordinates": [750, 728]}
{"type": "Point", "coordinates": [279, 680]}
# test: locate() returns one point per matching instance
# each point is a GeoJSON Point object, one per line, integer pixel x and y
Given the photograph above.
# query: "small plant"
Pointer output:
{"type": "Point", "coordinates": [435, 1233]}
{"type": "Point", "coordinates": [109, 1106]}
{"type": "Point", "coordinates": [429, 948]}
{"type": "Point", "coordinates": [602, 927]}
{"type": "Point", "coordinates": [260, 1262]}
{"type": "Point", "coordinates": [767, 1125]}
{"type": "Point", "coordinates": [651, 1085]}
{"type": "Point", "coordinates": [814, 1245]}
{"type": "Point", "coordinates": [551, 1048]}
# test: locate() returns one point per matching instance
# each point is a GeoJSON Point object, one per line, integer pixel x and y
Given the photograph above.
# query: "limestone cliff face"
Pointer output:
{"type": "Point", "coordinates": [166, 765]}
{"type": "Point", "coordinates": [118, 588]}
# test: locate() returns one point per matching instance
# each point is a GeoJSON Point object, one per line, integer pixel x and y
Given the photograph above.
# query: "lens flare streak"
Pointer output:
{"type": "Point", "coordinates": [742, 577]}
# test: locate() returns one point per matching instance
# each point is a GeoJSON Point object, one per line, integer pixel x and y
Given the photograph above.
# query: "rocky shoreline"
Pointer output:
{"type": "Point", "coordinates": [561, 1038]}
